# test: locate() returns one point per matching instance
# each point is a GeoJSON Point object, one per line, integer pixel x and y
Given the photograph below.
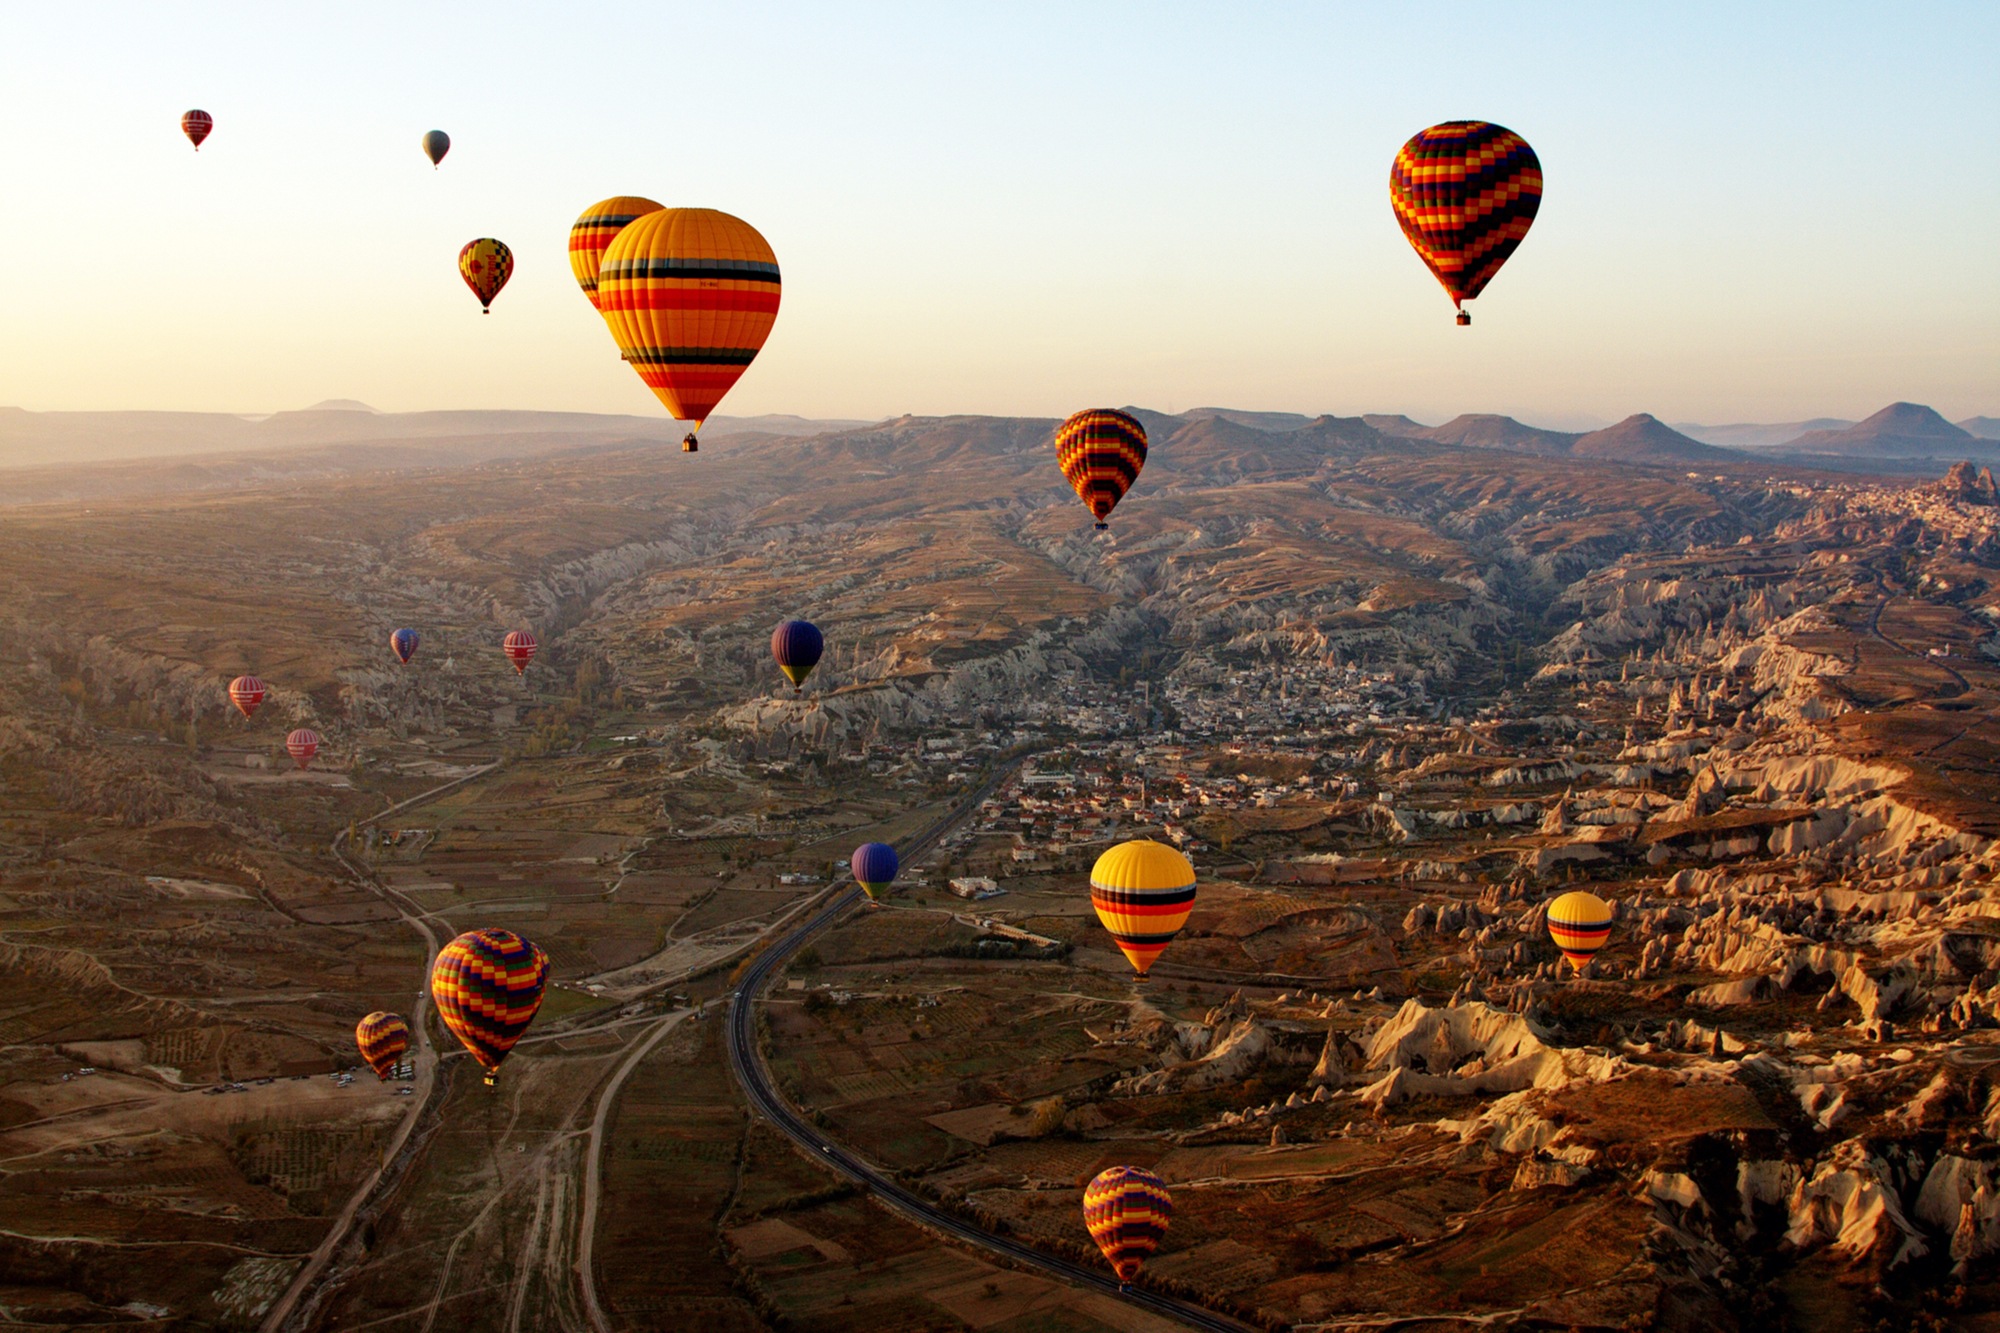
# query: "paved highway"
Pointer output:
{"type": "Point", "coordinates": [755, 1077]}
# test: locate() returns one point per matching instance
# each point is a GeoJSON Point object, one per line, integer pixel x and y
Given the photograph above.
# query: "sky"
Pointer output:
{"type": "Point", "coordinates": [1752, 213]}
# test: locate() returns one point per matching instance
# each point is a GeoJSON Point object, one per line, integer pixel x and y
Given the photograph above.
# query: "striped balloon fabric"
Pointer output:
{"type": "Point", "coordinates": [1143, 892]}
{"type": "Point", "coordinates": [302, 745]}
{"type": "Point", "coordinates": [196, 126]}
{"type": "Point", "coordinates": [690, 295]}
{"type": "Point", "coordinates": [520, 647]}
{"type": "Point", "coordinates": [485, 264]}
{"type": "Point", "coordinates": [591, 234]}
{"type": "Point", "coordinates": [797, 646]}
{"type": "Point", "coordinates": [874, 865]}
{"type": "Point", "coordinates": [1126, 1210]}
{"type": "Point", "coordinates": [487, 985]}
{"type": "Point", "coordinates": [1465, 192]}
{"type": "Point", "coordinates": [1580, 924]}
{"type": "Point", "coordinates": [247, 693]}
{"type": "Point", "coordinates": [382, 1039]}
{"type": "Point", "coordinates": [1101, 451]}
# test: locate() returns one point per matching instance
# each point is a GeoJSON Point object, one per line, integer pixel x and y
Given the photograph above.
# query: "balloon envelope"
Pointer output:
{"type": "Point", "coordinates": [382, 1038]}
{"type": "Point", "coordinates": [690, 295]}
{"type": "Point", "coordinates": [874, 865]}
{"type": "Point", "coordinates": [246, 692]}
{"type": "Point", "coordinates": [1580, 924]}
{"type": "Point", "coordinates": [302, 745]}
{"type": "Point", "coordinates": [1143, 892]}
{"type": "Point", "coordinates": [797, 646]}
{"type": "Point", "coordinates": [196, 126]}
{"type": "Point", "coordinates": [1465, 193]}
{"type": "Point", "coordinates": [485, 264]}
{"type": "Point", "coordinates": [404, 644]}
{"type": "Point", "coordinates": [520, 647]}
{"type": "Point", "coordinates": [1101, 451]}
{"type": "Point", "coordinates": [487, 985]}
{"type": "Point", "coordinates": [436, 144]}
{"type": "Point", "coordinates": [593, 232]}
{"type": "Point", "coordinates": [1126, 1210]}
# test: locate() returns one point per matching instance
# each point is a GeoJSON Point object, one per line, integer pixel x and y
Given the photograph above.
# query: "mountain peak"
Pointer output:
{"type": "Point", "coordinates": [341, 405]}
{"type": "Point", "coordinates": [1900, 430]}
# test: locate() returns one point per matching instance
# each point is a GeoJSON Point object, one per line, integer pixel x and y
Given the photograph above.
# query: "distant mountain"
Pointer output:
{"type": "Point", "coordinates": [1752, 435]}
{"type": "Point", "coordinates": [1255, 420]}
{"type": "Point", "coordinates": [1986, 428]}
{"type": "Point", "coordinates": [1397, 426]}
{"type": "Point", "coordinates": [1644, 438]}
{"type": "Point", "coordinates": [1900, 430]}
{"type": "Point", "coordinates": [1484, 430]}
{"type": "Point", "coordinates": [47, 439]}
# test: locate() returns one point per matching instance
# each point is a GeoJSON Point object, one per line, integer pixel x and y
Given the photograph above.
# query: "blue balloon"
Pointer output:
{"type": "Point", "coordinates": [405, 642]}
{"type": "Point", "coordinates": [874, 866]}
{"type": "Point", "coordinates": [797, 645]}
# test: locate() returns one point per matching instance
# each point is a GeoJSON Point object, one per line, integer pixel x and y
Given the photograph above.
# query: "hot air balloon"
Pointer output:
{"type": "Point", "coordinates": [520, 646]}
{"type": "Point", "coordinates": [1143, 891]}
{"type": "Point", "coordinates": [797, 645]}
{"type": "Point", "coordinates": [246, 692]}
{"type": "Point", "coordinates": [594, 231]}
{"type": "Point", "coordinates": [1465, 192]}
{"type": "Point", "coordinates": [487, 985]}
{"type": "Point", "coordinates": [690, 295]}
{"type": "Point", "coordinates": [1579, 923]}
{"type": "Point", "coordinates": [1100, 452]}
{"type": "Point", "coordinates": [382, 1039]}
{"type": "Point", "coordinates": [196, 125]}
{"type": "Point", "coordinates": [1126, 1210]}
{"type": "Point", "coordinates": [485, 264]}
{"type": "Point", "coordinates": [404, 644]}
{"type": "Point", "coordinates": [302, 745]}
{"type": "Point", "coordinates": [436, 144]}
{"type": "Point", "coordinates": [875, 866]}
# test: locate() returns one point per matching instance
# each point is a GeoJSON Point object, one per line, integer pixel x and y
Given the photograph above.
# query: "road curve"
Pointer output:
{"type": "Point", "coordinates": [747, 1062]}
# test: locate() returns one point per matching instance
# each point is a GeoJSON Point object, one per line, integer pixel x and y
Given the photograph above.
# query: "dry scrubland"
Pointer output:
{"type": "Point", "coordinates": [1757, 710]}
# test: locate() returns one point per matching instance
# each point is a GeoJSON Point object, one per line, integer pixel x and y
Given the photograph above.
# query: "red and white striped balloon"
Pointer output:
{"type": "Point", "coordinates": [246, 692]}
{"type": "Point", "coordinates": [520, 646]}
{"type": "Point", "coordinates": [302, 745]}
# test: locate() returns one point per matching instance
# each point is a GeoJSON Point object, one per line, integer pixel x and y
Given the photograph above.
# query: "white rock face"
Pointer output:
{"type": "Point", "coordinates": [1854, 1209]}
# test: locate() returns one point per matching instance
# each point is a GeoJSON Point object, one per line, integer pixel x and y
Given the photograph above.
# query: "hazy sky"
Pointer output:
{"type": "Point", "coordinates": [1752, 213]}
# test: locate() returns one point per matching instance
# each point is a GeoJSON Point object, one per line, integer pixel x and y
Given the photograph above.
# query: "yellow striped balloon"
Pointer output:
{"type": "Point", "coordinates": [382, 1039]}
{"type": "Point", "coordinates": [592, 234]}
{"type": "Point", "coordinates": [1143, 892]}
{"type": "Point", "coordinates": [690, 294]}
{"type": "Point", "coordinates": [1580, 924]}
{"type": "Point", "coordinates": [1126, 1210]}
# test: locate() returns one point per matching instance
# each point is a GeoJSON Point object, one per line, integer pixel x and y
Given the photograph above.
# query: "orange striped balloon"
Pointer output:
{"type": "Point", "coordinates": [1465, 193]}
{"type": "Point", "coordinates": [1580, 924]}
{"type": "Point", "coordinates": [1100, 452]}
{"type": "Point", "coordinates": [1126, 1210]}
{"type": "Point", "coordinates": [1143, 892]}
{"type": "Point", "coordinates": [382, 1039]}
{"type": "Point", "coordinates": [591, 235]}
{"type": "Point", "coordinates": [487, 985]}
{"type": "Point", "coordinates": [690, 295]}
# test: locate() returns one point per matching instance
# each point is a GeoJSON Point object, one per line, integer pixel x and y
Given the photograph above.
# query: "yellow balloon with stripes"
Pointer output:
{"type": "Point", "coordinates": [1580, 924]}
{"type": "Point", "coordinates": [592, 233]}
{"type": "Point", "coordinates": [690, 295]}
{"type": "Point", "coordinates": [1143, 892]}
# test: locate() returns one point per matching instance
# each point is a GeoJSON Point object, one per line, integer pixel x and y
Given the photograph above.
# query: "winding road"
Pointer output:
{"type": "Point", "coordinates": [746, 1060]}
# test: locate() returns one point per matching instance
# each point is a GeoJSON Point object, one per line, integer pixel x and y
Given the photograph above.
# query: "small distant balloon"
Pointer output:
{"type": "Point", "coordinates": [196, 126]}
{"type": "Point", "coordinates": [436, 144]}
{"type": "Point", "coordinates": [520, 647]}
{"type": "Point", "coordinates": [302, 745]}
{"type": "Point", "coordinates": [485, 264]}
{"type": "Point", "coordinates": [382, 1038]}
{"type": "Point", "coordinates": [487, 985]}
{"type": "Point", "coordinates": [1580, 924]}
{"type": "Point", "coordinates": [1100, 452]}
{"type": "Point", "coordinates": [404, 644]}
{"type": "Point", "coordinates": [247, 693]}
{"type": "Point", "coordinates": [797, 645]}
{"type": "Point", "coordinates": [1126, 1210]}
{"type": "Point", "coordinates": [592, 233]}
{"type": "Point", "coordinates": [874, 865]}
